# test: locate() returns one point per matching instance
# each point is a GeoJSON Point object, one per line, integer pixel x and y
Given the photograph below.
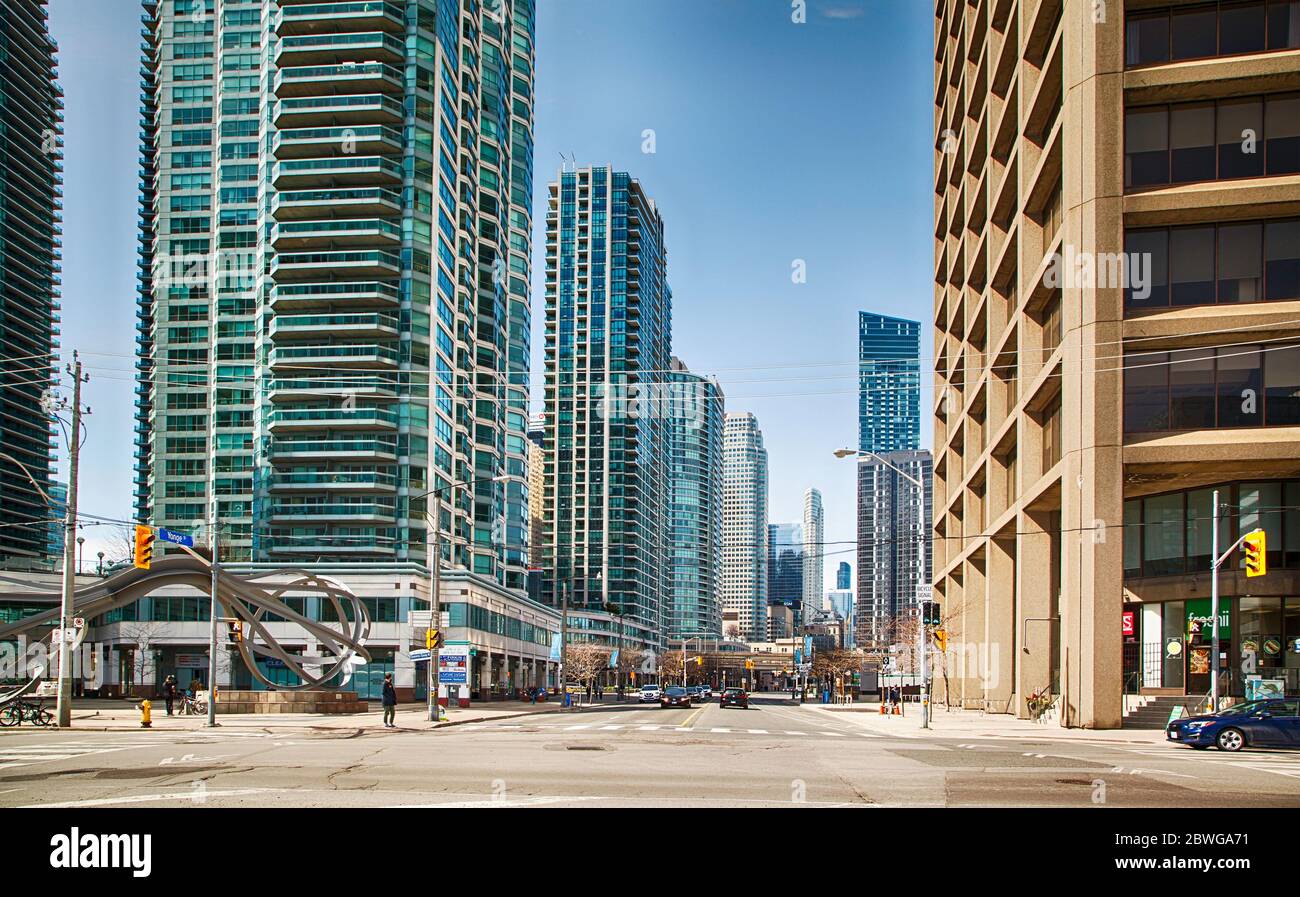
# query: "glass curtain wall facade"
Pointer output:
{"type": "Point", "coordinates": [335, 249]}
{"type": "Point", "coordinates": [31, 153]}
{"type": "Point", "coordinates": [744, 528]}
{"type": "Point", "coordinates": [889, 383]}
{"type": "Point", "coordinates": [695, 504]}
{"type": "Point", "coordinates": [608, 348]}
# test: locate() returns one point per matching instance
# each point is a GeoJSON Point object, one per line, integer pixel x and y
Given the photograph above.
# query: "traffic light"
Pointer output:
{"type": "Point", "coordinates": [236, 631]}
{"type": "Point", "coordinates": [941, 639]}
{"type": "Point", "coordinates": [930, 613]}
{"type": "Point", "coordinates": [433, 638]}
{"type": "Point", "coordinates": [699, 661]}
{"type": "Point", "coordinates": [1256, 560]}
{"type": "Point", "coordinates": [143, 546]}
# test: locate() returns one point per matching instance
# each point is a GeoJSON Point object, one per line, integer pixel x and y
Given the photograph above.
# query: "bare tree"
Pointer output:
{"type": "Point", "coordinates": [732, 631]}
{"type": "Point", "coordinates": [670, 666]}
{"type": "Point", "coordinates": [629, 661]}
{"type": "Point", "coordinates": [585, 663]}
{"type": "Point", "coordinates": [835, 665]}
{"type": "Point", "coordinates": [142, 635]}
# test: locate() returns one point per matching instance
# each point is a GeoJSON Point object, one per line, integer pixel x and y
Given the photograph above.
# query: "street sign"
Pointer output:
{"type": "Point", "coordinates": [420, 656]}
{"type": "Point", "coordinates": [172, 536]}
{"type": "Point", "coordinates": [78, 622]}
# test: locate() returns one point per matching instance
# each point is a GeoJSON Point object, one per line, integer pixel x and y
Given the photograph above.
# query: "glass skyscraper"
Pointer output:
{"type": "Point", "coordinates": [844, 576]}
{"type": "Point", "coordinates": [608, 348]}
{"type": "Point", "coordinates": [894, 556]}
{"type": "Point", "coordinates": [889, 383]}
{"type": "Point", "coordinates": [814, 534]}
{"type": "Point", "coordinates": [31, 178]}
{"type": "Point", "coordinates": [334, 301]}
{"type": "Point", "coordinates": [695, 406]}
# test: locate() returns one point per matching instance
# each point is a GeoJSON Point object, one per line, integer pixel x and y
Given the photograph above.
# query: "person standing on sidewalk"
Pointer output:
{"type": "Point", "coordinates": [169, 693]}
{"type": "Point", "coordinates": [390, 702]}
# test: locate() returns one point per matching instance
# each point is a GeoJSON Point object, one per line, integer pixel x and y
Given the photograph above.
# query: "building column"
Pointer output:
{"type": "Point", "coordinates": [1036, 628]}
{"type": "Point", "coordinates": [1000, 625]}
{"type": "Point", "coordinates": [1092, 484]}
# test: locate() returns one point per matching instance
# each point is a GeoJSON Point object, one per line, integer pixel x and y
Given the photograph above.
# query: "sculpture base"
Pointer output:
{"type": "Point", "coordinates": [312, 701]}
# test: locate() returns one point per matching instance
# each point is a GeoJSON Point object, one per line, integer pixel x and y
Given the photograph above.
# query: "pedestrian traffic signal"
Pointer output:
{"type": "Point", "coordinates": [433, 638]}
{"type": "Point", "coordinates": [143, 546]}
{"type": "Point", "coordinates": [930, 613]}
{"type": "Point", "coordinates": [1256, 553]}
{"type": "Point", "coordinates": [236, 631]}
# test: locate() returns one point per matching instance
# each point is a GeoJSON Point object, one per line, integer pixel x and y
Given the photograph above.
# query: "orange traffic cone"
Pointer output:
{"type": "Point", "coordinates": [883, 709]}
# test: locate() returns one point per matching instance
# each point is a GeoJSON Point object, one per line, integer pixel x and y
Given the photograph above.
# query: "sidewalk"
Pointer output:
{"type": "Point", "coordinates": [954, 723]}
{"type": "Point", "coordinates": [116, 715]}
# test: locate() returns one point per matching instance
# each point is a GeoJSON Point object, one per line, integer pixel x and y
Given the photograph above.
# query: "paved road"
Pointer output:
{"type": "Point", "coordinates": [627, 755]}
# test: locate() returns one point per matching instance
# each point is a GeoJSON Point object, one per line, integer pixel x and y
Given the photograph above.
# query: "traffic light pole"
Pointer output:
{"type": "Point", "coordinates": [212, 638]}
{"type": "Point", "coordinates": [64, 708]}
{"type": "Point", "coordinates": [435, 619]}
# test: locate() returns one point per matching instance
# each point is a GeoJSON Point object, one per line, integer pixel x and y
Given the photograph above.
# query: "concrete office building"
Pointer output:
{"type": "Point", "coordinates": [31, 178]}
{"type": "Point", "coordinates": [334, 295]}
{"type": "Point", "coordinates": [1117, 286]}
{"type": "Point", "coordinates": [744, 528]}
{"type": "Point", "coordinates": [608, 346]}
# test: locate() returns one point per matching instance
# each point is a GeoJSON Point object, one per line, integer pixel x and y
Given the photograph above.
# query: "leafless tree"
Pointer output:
{"type": "Point", "coordinates": [732, 631]}
{"type": "Point", "coordinates": [835, 665]}
{"type": "Point", "coordinates": [585, 662]}
{"type": "Point", "coordinates": [670, 666]}
{"type": "Point", "coordinates": [142, 635]}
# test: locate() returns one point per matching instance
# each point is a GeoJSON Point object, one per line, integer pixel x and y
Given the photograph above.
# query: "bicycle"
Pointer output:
{"type": "Point", "coordinates": [193, 706]}
{"type": "Point", "coordinates": [32, 711]}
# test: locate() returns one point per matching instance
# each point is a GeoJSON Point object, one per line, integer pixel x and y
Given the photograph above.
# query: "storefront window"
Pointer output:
{"type": "Point", "coordinates": [1261, 646]}
{"type": "Point", "coordinates": [1200, 514]}
{"type": "Point", "coordinates": [1132, 538]}
{"type": "Point", "coordinates": [1173, 633]}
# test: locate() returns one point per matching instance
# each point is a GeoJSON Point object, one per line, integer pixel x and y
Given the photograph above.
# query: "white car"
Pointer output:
{"type": "Point", "coordinates": [706, 692]}
{"type": "Point", "coordinates": [649, 694]}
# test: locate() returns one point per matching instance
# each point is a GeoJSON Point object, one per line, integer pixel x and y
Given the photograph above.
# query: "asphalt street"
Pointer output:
{"type": "Point", "coordinates": [619, 755]}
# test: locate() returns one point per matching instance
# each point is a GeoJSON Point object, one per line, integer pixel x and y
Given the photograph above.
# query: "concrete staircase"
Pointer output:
{"type": "Point", "coordinates": [1152, 711]}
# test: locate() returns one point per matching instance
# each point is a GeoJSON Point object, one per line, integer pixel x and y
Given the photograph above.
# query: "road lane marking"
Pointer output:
{"type": "Point", "coordinates": [579, 726]}
{"type": "Point", "coordinates": [757, 731]}
{"type": "Point", "coordinates": [491, 803]}
{"type": "Point", "coordinates": [611, 728]}
{"type": "Point", "coordinates": [719, 730]}
{"type": "Point", "coordinates": [789, 732]}
{"type": "Point", "coordinates": [192, 796]}
{"type": "Point", "coordinates": [832, 734]}
{"type": "Point", "coordinates": [649, 728]}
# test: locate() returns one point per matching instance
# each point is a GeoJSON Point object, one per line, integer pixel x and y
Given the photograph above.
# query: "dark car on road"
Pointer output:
{"type": "Point", "coordinates": [1270, 723]}
{"type": "Point", "coordinates": [675, 696]}
{"type": "Point", "coordinates": [734, 697]}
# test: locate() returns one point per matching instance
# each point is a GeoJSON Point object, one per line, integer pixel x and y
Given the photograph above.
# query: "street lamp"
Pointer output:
{"type": "Point", "coordinates": [101, 563]}
{"type": "Point", "coordinates": [434, 521]}
{"type": "Point", "coordinates": [922, 635]}
{"type": "Point", "coordinates": [81, 540]}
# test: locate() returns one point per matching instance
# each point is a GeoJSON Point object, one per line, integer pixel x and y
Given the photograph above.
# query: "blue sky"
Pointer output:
{"type": "Point", "coordinates": [774, 142]}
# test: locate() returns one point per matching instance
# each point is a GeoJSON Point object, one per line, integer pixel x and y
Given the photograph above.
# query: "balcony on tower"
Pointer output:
{"type": "Point", "coordinates": [359, 201]}
{"type": "Point", "coordinates": [343, 78]}
{"type": "Point", "coordinates": [336, 233]}
{"type": "Point", "coordinates": [338, 109]}
{"type": "Point", "coordinates": [336, 48]}
{"type": "Point", "coordinates": [369, 140]}
{"type": "Point", "coordinates": [359, 262]}
{"type": "Point", "coordinates": [288, 297]}
{"type": "Point", "coordinates": [333, 356]}
{"type": "Point", "coordinates": [297, 18]}
{"type": "Point", "coordinates": [336, 171]}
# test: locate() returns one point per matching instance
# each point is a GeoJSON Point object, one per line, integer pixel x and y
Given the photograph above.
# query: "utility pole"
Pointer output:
{"type": "Point", "coordinates": [435, 603]}
{"type": "Point", "coordinates": [564, 637]}
{"type": "Point", "coordinates": [212, 636]}
{"type": "Point", "coordinates": [1214, 605]}
{"type": "Point", "coordinates": [64, 709]}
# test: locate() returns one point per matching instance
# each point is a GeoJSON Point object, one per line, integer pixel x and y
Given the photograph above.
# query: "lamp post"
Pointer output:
{"type": "Point", "coordinates": [922, 634]}
{"type": "Point", "coordinates": [81, 552]}
{"type": "Point", "coordinates": [101, 563]}
{"type": "Point", "coordinates": [433, 522]}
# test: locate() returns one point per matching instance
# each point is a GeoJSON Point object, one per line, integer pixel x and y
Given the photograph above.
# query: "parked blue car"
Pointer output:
{"type": "Point", "coordinates": [1270, 723]}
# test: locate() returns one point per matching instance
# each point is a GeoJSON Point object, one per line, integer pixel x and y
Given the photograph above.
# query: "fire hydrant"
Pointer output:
{"type": "Point", "coordinates": [145, 714]}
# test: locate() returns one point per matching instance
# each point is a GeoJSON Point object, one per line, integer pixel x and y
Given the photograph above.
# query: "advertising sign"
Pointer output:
{"type": "Point", "coordinates": [555, 646]}
{"type": "Point", "coordinates": [1128, 623]}
{"type": "Point", "coordinates": [1259, 688]}
{"type": "Point", "coordinates": [453, 665]}
{"type": "Point", "coordinates": [192, 661]}
{"type": "Point", "coordinates": [1198, 618]}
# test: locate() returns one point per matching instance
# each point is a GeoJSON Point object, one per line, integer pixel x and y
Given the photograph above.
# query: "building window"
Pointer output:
{"type": "Point", "coordinates": [1248, 385]}
{"type": "Point", "coordinates": [1208, 264]}
{"type": "Point", "coordinates": [1214, 29]}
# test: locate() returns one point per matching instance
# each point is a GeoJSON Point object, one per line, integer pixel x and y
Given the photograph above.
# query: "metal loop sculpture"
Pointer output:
{"type": "Point", "coordinates": [249, 601]}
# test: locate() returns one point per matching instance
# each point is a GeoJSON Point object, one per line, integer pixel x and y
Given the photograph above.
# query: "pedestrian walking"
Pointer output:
{"type": "Point", "coordinates": [169, 693]}
{"type": "Point", "coordinates": [390, 702]}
